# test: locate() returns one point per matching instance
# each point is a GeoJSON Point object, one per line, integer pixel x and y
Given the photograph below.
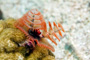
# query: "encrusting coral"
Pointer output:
{"type": "Point", "coordinates": [8, 34]}
{"type": "Point", "coordinates": [40, 53]}
{"type": "Point", "coordinates": [10, 37]}
{"type": "Point", "coordinates": [48, 57]}
{"type": "Point", "coordinates": [11, 56]}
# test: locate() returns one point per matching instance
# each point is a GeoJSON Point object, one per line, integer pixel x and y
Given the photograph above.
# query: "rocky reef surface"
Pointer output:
{"type": "Point", "coordinates": [10, 37]}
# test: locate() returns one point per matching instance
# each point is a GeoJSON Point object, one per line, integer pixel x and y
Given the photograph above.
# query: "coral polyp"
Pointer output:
{"type": "Point", "coordinates": [33, 25]}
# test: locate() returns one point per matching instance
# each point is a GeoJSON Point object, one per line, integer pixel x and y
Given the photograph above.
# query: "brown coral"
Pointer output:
{"type": "Point", "coordinates": [40, 53]}
{"type": "Point", "coordinates": [11, 56]}
{"type": "Point", "coordinates": [10, 37]}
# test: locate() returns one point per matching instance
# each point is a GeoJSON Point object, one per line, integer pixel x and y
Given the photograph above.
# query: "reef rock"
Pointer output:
{"type": "Point", "coordinates": [10, 37]}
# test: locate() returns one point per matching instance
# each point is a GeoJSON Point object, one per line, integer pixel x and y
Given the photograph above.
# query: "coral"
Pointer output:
{"type": "Point", "coordinates": [48, 57]}
{"type": "Point", "coordinates": [8, 34]}
{"type": "Point", "coordinates": [11, 37]}
{"type": "Point", "coordinates": [7, 45]}
{"type": "Point", "coordinates": [3, 25]}
{"type": "Point", "coordinates": [10, 23]}
{"type": "Point", "coordinates": [39, 53]}
{"type": "Point", "coordinates": [11, 56]}
{"type": "Point", "coordinates": [12, 34]}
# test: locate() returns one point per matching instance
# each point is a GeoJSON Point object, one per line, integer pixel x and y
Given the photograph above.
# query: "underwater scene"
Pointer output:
{"type": "Point", "coordinates": [44, 29]}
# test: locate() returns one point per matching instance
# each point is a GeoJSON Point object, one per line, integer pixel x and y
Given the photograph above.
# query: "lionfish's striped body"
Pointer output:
{"type": "Point", "coordinates": [33, 25]}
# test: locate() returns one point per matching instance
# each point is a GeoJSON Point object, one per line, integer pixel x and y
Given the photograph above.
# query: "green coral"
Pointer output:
{"type": "Point", "coordinates": [10, 37]}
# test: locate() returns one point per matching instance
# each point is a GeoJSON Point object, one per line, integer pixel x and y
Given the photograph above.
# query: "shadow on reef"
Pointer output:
{"type": "Point", "coordinates": [10, 37]}
{"type": "Point", "coordinates": [1, 15]}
